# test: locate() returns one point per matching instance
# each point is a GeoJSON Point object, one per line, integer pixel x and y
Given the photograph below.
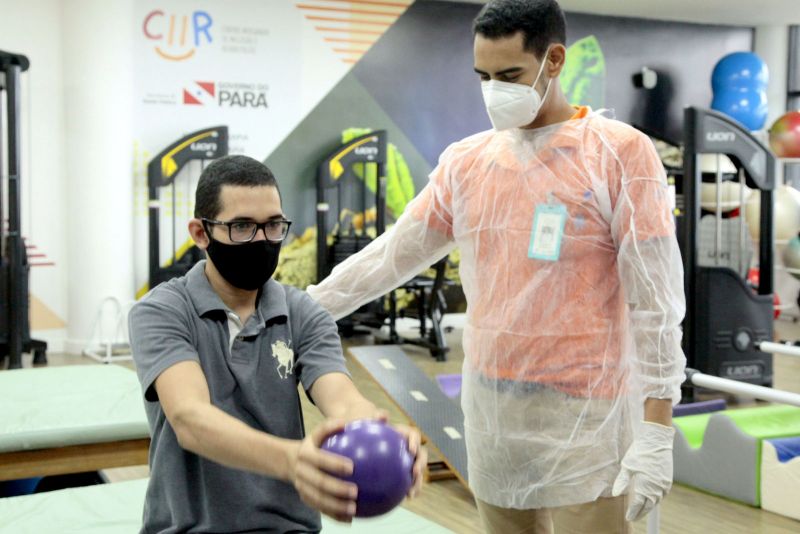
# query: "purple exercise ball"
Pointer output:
{"type": "Point", "coordinates": [382, 465]}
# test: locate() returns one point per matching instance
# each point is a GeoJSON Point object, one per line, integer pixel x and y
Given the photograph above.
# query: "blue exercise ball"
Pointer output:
{"type": "Point", "coordinates": [746, 106]}
{"type": "Point", "coordinates": [739, 82]}
{"type": "Point", "coordinates": [740, 69]}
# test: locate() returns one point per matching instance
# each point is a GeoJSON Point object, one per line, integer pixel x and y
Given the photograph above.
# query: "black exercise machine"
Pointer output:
{"type": "Point", "coordinates": [726, 319]}
{"type": "Point", "coordinates": [336, 172]}
{"type": "Point", "coordinates": [338, 189]}
{"type": "Point", "coordinates": [162, 171]}
{"type": "Point", "coordinates": [15, 334]}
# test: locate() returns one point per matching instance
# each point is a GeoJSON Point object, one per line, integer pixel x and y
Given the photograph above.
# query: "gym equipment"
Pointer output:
{"type": "Point", "coordinates": [381, 464]}
{"type": "Point", "coordinates": [695, 408]}
{"type": "Point", "coordinates": [336, 173]}
{"type": "Point", "coordinates": [791, 257]}
{"type": "Point", "coordinates": [162, 171]}
{"type": "Point", "coordinates": [117, 509]}
{"type": "Point", "coordinates": [734, 387]}
{"type": "Point", "coordinates": [730, 196]}
{"type": "Point", "coordinates": [340, 193]}
{"type": "Point", "coordinates": [431, 305]}
{"type": "Point", "coordinates": [784, 135]}
{"type": "Point", "coordinates": [725, 318]}
{"type": "Point", "coordinates": [734, 252]}
{"type": "Point", "coordinates": [439, 419]}
{"type": "Point", "coordinates": [785, 348]}
{"type": "Point", "coordinates": [333, 173]}
{"type": "Point", "coordinates": [450, 385]}
{"type": "Point", "coordinates": [70, 419]}
{"type": "Point", "coordinates": [739, 82]}
{"type": "Point", "coordinates": [780, 471]}
{"type": "Point", "coordinates": [752, 280]}
{"type": "Point", "coordinates": [15, 333]}
{"type": "Point", "coordinates": [786, 213]}
{"type": "Point", "coordinates": [109, 340]}
{"type": "Point", "coordinates": [721, 452]}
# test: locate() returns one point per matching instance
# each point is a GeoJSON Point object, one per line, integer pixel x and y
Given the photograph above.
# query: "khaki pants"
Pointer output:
{"type": "Point", "coordinates": [603, 516]}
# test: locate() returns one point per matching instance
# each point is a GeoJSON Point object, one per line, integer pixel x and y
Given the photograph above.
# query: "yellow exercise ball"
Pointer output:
{"type": "Point", "coordinates": [786, 213]}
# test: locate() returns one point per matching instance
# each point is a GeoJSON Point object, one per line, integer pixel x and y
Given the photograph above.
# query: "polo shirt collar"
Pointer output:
{"type": "Point", "coordinates": [271, 304]}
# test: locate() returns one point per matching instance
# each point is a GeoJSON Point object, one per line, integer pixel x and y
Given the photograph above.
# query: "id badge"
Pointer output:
{"type": "Point", "coordinates": [547, 231]}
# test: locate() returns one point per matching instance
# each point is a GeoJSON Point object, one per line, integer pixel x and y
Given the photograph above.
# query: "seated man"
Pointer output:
{"type": "Point", "coordinates": [219, 353]}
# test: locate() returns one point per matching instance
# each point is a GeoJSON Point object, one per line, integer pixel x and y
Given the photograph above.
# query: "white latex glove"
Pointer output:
{"type": "Point", "coordinates": [646, 474]}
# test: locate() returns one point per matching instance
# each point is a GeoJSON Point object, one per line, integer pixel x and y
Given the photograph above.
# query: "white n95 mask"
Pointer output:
{"type": "Point", "coordinates": [513, 105]}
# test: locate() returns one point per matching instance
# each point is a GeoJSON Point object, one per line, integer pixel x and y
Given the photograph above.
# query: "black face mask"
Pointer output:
{"type": "Point", "coordinates": [246, 266]}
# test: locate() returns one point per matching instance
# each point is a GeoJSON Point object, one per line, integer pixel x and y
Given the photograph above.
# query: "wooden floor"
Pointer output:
{"type": "Point", "coordinates": [450, 504]}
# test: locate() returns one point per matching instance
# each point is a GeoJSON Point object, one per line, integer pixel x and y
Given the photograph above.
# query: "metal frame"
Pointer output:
{"type": "Point", "coordinates": [724, 319]}
{"type": "Point", "coordinates": [372, 148]}
{"type": "Point", "coordinates": [14, 269]}
{"type": "Point", "coordinates": [369, 148]}
{"type": "Point", "coordinates": [206, 144]}
{"type": "Point", "coordinates": [791, 172]}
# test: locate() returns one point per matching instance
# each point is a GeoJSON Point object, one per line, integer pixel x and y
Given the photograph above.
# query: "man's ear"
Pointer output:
{"type": "Point", "coordinates": [556, 58]}
{"type": "Point", "coordinates": [198, 233]}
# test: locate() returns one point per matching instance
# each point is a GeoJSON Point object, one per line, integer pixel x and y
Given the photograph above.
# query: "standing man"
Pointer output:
{"type": "Point", "coordinates": [220, 353]}
{"type": "Point", "coordinates": [574, 288]}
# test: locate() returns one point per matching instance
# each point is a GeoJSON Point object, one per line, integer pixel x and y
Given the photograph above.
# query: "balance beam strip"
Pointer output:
{"type": "Point", "coordinates": [438, 418]}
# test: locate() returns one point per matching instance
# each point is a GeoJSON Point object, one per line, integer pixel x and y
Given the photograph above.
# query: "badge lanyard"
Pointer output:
{"type": "Point", "coordinates": [547, 231]}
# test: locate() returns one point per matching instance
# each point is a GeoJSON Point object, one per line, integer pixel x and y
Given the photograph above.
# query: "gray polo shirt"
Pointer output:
{"type": "Point", "coordinates": [289, 339]}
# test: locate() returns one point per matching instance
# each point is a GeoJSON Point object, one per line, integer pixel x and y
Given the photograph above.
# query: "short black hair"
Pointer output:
{"type": "Point", "coordinates": [541, 22]}
{"type": "Point", "coordinates": [228, 170]}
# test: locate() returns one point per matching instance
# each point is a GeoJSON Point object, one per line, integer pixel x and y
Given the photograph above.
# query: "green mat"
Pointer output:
{"type": "Point", "coordinates": [117, 509]}
{"type": "Point", "coordinates": [107, 509]}
{"type": "Point", "coordinates": [71, 405]}
{"type": "Point", "coordinates": [398, 521]}
{"type": "Point", "coordinates": [761, 422]}
{"type": "Point", "coordinates": [731, 467]}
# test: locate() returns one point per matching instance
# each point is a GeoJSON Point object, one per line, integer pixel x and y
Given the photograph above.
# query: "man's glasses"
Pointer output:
{"type": "Point", "coordinates": [275, 230]}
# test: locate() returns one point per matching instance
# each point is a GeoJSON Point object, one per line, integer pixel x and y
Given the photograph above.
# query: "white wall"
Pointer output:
{"type": "Point", "coordinates": [34, 28]}
{"type": "Point", "coordinates": [77, 154]}
{"type": "Point", "coordinates": [98, 95]}
{"type": "Point", "coordinates": [771, 44]}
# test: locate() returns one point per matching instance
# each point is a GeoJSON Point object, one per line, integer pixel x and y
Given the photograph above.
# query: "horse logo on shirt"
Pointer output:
{"type": "Point", "coordinates": [285, 356]}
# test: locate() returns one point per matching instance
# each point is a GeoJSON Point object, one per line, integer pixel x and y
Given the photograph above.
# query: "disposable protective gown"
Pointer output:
{"type": "Point", "coordinates": [560, 353]}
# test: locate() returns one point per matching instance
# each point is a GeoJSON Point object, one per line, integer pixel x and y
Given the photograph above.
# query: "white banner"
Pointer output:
{"type": "Point", "coordinates": [255, 66]}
